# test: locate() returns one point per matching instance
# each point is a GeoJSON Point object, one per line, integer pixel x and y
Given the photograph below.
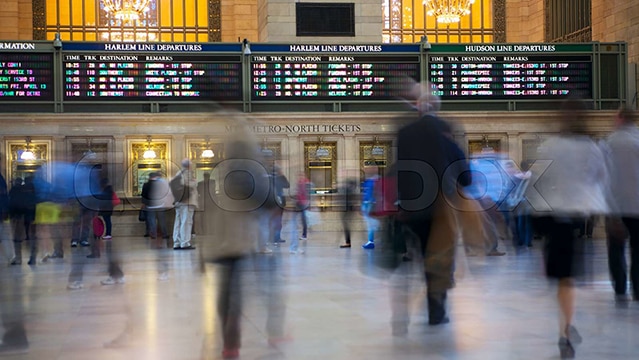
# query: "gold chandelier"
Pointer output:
{"type": "Point", "coordinates": [448, 11]}
{"type": "Point", "coordinates": [126, 10]}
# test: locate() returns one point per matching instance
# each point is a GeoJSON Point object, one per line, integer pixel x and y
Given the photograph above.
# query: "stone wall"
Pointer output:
{"type": "Point", "coordinates": [525, 21]}
{"type": "Point", "coordinates": [239, 20]}
{"type": "Point", "coordinates": [618, 20]}
{"type": "Point", "coordinates": [16, 20]}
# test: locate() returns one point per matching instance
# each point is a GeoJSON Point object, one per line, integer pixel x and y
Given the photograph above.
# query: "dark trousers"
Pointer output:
{"type": "Point", "coordinates": [107, 223]}
{"type": "Point", "coordinates": [115, 271]}
{"type": "Point", "coordinates": [347, 218]}
{"type": "Point", "coordinates": [230, 302]}
{"type": "Point", "coordinates": [304, 224]}
{"type": "Point", "coordinates": [617, 257]}
{"type": "Point", "coordinates": [82, 224]}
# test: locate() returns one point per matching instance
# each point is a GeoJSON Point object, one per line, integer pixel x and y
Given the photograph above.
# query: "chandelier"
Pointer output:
{"type": "Point", "coordinates": [126, 10]}
{"type": "Point", "coordinates": [448, 11]}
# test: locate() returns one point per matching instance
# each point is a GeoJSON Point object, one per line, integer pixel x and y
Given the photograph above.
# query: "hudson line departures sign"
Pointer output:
{"type": "Point", "coordinates": [339, 72]}
{"type": "Point", "coordinates": [25, 73]}
{"type": "Point", "coordinates": [510, 71]}
{"type": "Point", "coordinates": [152, 71]}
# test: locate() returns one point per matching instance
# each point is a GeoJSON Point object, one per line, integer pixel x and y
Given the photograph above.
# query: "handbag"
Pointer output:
{"type": "Point", "coordinates": [389, 249]}
{"type": "Point", "coordinates": [115, 200]}
{"type": "Point", "coordinates": [142, 215]}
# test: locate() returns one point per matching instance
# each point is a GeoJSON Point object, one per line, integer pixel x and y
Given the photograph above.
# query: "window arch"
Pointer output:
{"type": "Point", "coordinates": [406, 21]}
{"type": "Point", "coordinates": [163, 20]}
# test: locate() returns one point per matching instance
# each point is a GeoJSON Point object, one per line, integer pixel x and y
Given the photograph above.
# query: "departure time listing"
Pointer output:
{"type": "Point", "coordinates": [321, 77]}
{"type": "Point", "coordinates": [497, 76]}
{"type": "Point", "coordinates": [143, 77]}
{"type": "Point", "coordinates": [26, 76]}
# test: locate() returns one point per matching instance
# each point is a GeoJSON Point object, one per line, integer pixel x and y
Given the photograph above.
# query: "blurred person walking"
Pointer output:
{"type": "Point", "coordinates": [157, 200]}
{"type": "Point", "coordinates": [206, 193]}
{"type": "Point", "coordinates": [17, 210]}
{"type": "Point", "coordinates": [107, 204]}
{"type": "Point", "coordinates": [280, 182]}
{"type": "Point", "coordinates": [622, 148]}
{"type": "Point", "coordinates": [572, 188]}
{"type": "Point", "coordinates": [422, 148]}
{"type": "Point", "coordinates": [349, 193]}
{"type": "Point", "coordinates": [184, 189]}
{"type": "Point", "coordinates": [30, 205]}
{"type": "Point", "coordinates": [85, 191]}
{"type": "Point", "coordinates": [236, 221]}
{"type": "Point", "coordinates": [368, 203]}
{"type": "Point", "coordinates": [302, 204]}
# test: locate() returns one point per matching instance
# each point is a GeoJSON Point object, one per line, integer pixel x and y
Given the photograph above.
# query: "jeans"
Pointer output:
{"type": "Point", "coordinates": [524, 230]}
{"type": "Point", "coordinates": [183, 225]}
{"type": "Point", "coordinates": [155, 217]}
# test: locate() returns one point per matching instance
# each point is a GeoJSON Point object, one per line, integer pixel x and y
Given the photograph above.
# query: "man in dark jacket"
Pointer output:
{"type": "Point", "coordinates": [280, 182]}
{"type": "Point", "coordinates": [425, 156]}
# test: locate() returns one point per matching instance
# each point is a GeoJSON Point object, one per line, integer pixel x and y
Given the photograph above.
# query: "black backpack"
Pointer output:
{"type": "Point", "coordinates": [177, 188]}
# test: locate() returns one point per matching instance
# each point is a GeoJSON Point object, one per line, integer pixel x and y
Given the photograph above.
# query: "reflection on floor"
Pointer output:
{"type": "Point", "coordinates": [501, 308]}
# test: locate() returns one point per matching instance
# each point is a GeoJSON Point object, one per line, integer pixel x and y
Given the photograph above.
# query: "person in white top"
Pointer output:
{"type": "Point", "coordinates": [623, 160]}
{"type": "Point", "coordinates": [572, 187]}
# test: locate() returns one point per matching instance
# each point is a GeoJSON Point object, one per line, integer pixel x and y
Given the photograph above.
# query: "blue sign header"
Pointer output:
{"type": "Point", "coordinates": [152, 47]}
{"type": "Point", "coordinates": [330, 48]}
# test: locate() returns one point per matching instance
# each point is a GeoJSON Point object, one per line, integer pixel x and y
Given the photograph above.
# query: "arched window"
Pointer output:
{"type": "Point", "coordinates": [128, 20]}
{"type": "Point", "coordinates": [407, 21]}
{"type": "Point", "coordinates": [568, 20]}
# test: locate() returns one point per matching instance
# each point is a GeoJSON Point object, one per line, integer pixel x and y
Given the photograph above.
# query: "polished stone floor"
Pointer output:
{"type": "Point", "coordinates": [501, 308]}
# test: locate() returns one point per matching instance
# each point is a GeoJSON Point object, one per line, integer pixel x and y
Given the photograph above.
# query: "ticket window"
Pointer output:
{"type": "Point", "coordinates": [272, 153]}
{"type": "Point", "coordinates": [205, 156]}
{"type": "Point", "coordinates": [321, 166]}
{"type": "Point", "coordinates": [90, 153]}
{"type": "Point", "coordinates": [374, 158]}
{"type": "Point", "coordinates": [484, 147]}
{"type": "Point", "coordinates": [147, 157]}
{"type": "Point", "coordinates": [27, 158]}
{"type": "Point", "coordinates": [530, 152]}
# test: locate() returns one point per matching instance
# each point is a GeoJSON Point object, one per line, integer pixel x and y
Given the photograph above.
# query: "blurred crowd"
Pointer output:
{"type": "Point", "coordinates": [416, 210]}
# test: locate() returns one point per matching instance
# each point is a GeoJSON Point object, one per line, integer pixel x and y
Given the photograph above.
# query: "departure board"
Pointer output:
{"type": "Point", "coordinates": [26, 76]}
{"type": "Point", "coordinates": [130, 76]}
{"type": "Point", "coordinates": [511, 76]}
{"type": "Point", "coordinates": [352, 72]}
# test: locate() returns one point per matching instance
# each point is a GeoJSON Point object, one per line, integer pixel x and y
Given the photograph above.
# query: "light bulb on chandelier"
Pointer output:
{"type": "Point", "coordinates": [448, 11]}
{"type": "Point", "coordinates": [126, 10]}
{"type": "Point", "coordinates": [149, 153]}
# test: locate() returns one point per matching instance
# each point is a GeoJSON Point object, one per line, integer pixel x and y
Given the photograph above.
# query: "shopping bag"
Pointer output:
{"type": "Point", "coordinates": [47, 213]}
{"type": "Point", "coordinates": [115, 200]}
{"type": "Point", "coordinates": [142, 215]}
{"type": "Point", "coordinates": [99, 226]}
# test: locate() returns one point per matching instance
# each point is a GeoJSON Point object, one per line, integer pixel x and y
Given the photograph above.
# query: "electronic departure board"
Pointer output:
{"type": "Point", "coordinates": [332, 72]}
{"type": "Point", "coordinates": [511, 72]}
{"type": "Point", "coordinates": [26, 76]}
{"type": "Point", "coordinates": [126, 73]}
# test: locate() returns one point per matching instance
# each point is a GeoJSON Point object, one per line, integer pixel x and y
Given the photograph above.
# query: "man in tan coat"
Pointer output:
{"type": "Point", "coordinates": [184, 189]}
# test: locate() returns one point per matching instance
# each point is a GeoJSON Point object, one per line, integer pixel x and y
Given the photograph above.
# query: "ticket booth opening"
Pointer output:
{"type": "Point", "coordinates": [321, 167]}
{"type": "Point", "coordinates": [150, 156]}
{"type": "Point", "coordinates": [205, 156]}
{"type": "Point", "coordinates": [27, 158]}
{"type": "Point", "coordinates": [374, 158]}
